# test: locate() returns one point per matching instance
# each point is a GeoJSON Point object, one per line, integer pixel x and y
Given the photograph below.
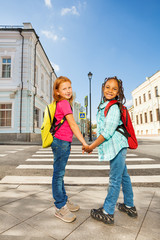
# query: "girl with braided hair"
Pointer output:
{"type": "Point", "coordinates": [112, 146]}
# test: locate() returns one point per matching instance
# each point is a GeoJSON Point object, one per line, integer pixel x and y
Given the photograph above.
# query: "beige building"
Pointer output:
{"type": "Point", "coordinates": [145, 112]}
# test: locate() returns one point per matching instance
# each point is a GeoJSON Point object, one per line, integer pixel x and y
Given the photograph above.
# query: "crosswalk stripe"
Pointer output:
{"type": "Point", "coordinates": [74, 180]}
{"type": "Point", "coordinates": [89, 167]}
{"type": "Point", "coordinates": [79, 154]}
{"type": "Point", "coordinates": [85, 159]}
{"type": "Point", "coordinates": [3, 155]}
{"type": "Point", "coordinates": [11, 151]}
{"type": "Point", "coordinates": [72, 149]}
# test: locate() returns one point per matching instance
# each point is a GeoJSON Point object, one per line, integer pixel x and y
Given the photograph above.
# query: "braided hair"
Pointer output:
{"type": "Point", "coordinates": [120, 98]}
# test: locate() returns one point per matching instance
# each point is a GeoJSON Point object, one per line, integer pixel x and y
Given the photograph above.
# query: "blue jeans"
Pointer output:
{"type": "Point", "coordinates": [118, 175]}
{"type": "Point", "coordinates": [61, 151]}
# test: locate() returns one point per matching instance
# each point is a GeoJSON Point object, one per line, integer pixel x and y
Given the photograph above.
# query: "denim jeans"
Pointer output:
{"type": "Point", "coordinates": [61, 151]}
{"type": "Point", "coordinates": [118, 175]}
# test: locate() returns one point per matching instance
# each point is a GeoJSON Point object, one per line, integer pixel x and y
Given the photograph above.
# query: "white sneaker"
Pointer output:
{"type": "Point", "coordinates": [72, 207]}
{"type": "Point", "coordinates": [64, 214]}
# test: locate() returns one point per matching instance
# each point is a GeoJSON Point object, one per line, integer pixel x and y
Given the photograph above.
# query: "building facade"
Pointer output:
{"type": "Point", "coordinates": [146, 111]}
{"type": "Point", "coordinates": [26, 82]}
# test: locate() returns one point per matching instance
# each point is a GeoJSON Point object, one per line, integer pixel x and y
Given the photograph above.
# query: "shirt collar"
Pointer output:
{"type": "Point", "coordinates": [104, 104]}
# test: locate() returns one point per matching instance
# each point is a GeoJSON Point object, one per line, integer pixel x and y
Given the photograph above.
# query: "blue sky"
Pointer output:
{"type": "Point", "coordinates": [107, 37]}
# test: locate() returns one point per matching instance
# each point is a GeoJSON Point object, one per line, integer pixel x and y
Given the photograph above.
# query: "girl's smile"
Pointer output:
{"type": "Point", "coordinates": [110, 89]}
{"type": "Point", "coordinates": [65, 90]}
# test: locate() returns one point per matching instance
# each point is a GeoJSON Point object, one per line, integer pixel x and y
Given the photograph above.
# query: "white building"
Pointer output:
{"type": "Point", "coordinates": [146, 111]}
{"type": "Point", "coordinates": [76, 113]}
{"type": "Point", "coordinates": [26, 80]}
{"type": "Point", "coordinates": [76, 110]}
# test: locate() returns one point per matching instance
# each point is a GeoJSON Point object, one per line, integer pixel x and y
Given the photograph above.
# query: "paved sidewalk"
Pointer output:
{"type": "Point", "coordinates": [27, 212]}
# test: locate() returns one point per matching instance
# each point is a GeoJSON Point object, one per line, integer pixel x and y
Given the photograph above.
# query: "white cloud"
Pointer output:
{"type": "Point", "coordinates": [61, 28]}
{"type": "Point", "coordinates": [63, 38]}
{"type": "Point", "coordinates": [50, 35]}
{"type": "Point", "coordinates": [56, 67]}
{"type": "Point", "coordinates": [72, 10]}
{"type": "Point", "coordinates": [48, 3]}
{"type": "Point", "coordinates": [82, 5]}
{"type": "Point", "coordinates": [128, 103]}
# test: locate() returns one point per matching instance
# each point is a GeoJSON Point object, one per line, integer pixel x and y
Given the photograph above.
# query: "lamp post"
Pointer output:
{"type": "Point", "coordinates": [90, 132]}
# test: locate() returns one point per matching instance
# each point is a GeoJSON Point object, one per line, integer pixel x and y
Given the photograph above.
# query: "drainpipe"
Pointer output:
{"type": "Point", "coordinates": [20, 127]}
{"type": "Point", "coordinates": [35, 89]}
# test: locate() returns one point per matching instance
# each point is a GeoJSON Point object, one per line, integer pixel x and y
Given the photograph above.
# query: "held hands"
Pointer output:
{"type": "Point", "coordinates": [86, 148]}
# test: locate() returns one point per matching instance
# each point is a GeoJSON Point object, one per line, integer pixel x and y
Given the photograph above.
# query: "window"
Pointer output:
{"type": "Point", "coordinates": [140, 100]}
{"type": "Point", "coordinates": [158, 114]}
{"type": "Point", "coordinates": [136, 101]}
{"type": "Point", "coordinates": [132, 116]}
{"type": "Point", "coordinates": [144, 97]}
{"type": "Point", "coordinates": [151, 116]}
{"type": "Point", "coordinates": [137, 119]}
{"type": "Point", "coordinates": [145, 117]}
{"type": "Point", "coordinates": [6, 67]}
{"type": "Point", "coordinates": [141, 120]}
{"type": "Point", "coordinates": [36, 118]}
{"type": "Point", "coordinates": [156, 91]}
{"type": "Point", "coordinates": [5, 115]}
{"type": "Point", "coordinates": [149, 94]}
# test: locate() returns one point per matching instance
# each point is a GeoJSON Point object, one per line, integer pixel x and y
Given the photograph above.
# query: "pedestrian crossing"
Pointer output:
{"type": "Point", "coordinates": [6, 152]}
{"type": "Point", "coordinates": [82, 169]}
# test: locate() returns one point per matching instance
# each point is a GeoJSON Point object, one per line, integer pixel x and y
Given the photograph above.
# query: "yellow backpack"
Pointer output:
{"type": "Point", "coordinates": [48, 126]}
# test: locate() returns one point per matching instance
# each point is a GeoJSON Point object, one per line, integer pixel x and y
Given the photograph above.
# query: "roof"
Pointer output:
{"type": "Point", "coordinates": [23, 29]}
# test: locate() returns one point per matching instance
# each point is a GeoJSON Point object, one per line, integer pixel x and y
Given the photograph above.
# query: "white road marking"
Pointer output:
{"type": "Point", "coordinates": [89, 167]}
{"type": "Point", "coordinates": [86, 159]}
{"type": "Point", "coordinates": [11, 151]}
{"type": "Point", "coordinates": [74, 180]}
{"type": "Point", "coordinates": [3, 155]}
{"type": "Point", "coordinates": [74, 155]}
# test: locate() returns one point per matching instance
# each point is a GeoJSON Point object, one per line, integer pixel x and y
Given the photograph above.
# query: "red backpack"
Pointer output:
{"type": "Point", "coordinates": [128, 130]}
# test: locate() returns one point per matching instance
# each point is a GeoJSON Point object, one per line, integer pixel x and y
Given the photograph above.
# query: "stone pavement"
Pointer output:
{"type": "Point", "coordinates": [27, 212]}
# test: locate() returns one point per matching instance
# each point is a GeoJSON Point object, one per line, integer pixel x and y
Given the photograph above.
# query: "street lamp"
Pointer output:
{"type": "Point", "coordinates": [90, 132]}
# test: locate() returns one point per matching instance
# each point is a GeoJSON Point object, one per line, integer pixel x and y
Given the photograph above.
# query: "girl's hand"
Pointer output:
{"type": "Point", "coordinates": [86, 148]}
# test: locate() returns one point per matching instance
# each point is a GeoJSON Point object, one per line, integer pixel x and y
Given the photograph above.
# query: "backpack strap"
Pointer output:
{"type": "Point", "coordinates": [55, 127]}
{"type": "Point", "coordinates": [121, 128]}
{"type": "Point", "coordinates": [108, 106]}
{"type": "Point", "coordinates": [125, 112]}
{"type": "Point", "coordinates": [124, 132]}
{"type": "Point", "coordinates": [49, 114]}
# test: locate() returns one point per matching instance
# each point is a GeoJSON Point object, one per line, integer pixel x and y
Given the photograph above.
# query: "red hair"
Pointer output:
{"type": "Point", "coordinates": [56, 85]}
